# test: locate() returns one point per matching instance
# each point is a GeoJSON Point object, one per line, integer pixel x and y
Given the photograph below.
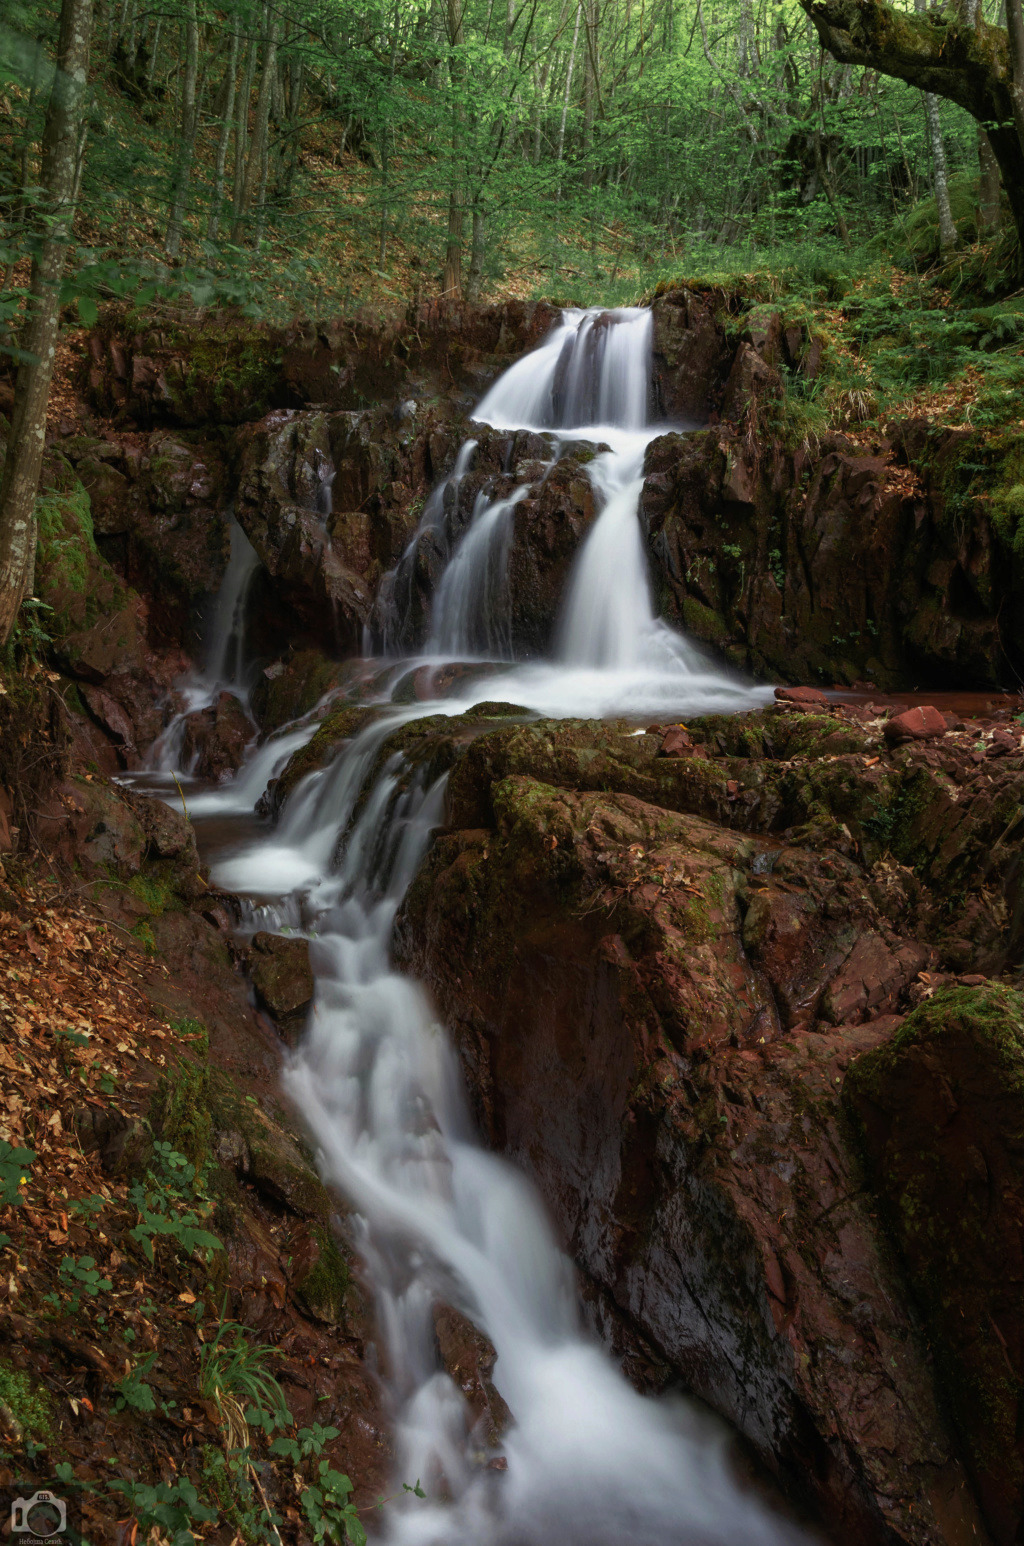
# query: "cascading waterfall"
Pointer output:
{"type": "Point", "coordinates": [588, 1461]}
{"type": "Point", "coordinates": [225, 658]}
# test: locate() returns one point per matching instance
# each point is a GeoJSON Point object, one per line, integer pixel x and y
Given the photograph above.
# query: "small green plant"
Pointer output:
{"type": "Point", "coordinates": [88, 1209]}
{"type": "Point", "coordinates": [232, 1372]}
{"type": "Point", "coordinates": [171, 1509]}
{"type": "Point", "coordinates": [326, 1503]}
{"type": "Point", "coordinates": [83, 1277]}
{"type": "Point", "coordinates": [15, 1165]}
{"type": "Point", "coordinates": [133, 1391]}
{"type": "Point", "coordinates": [171, 1202]}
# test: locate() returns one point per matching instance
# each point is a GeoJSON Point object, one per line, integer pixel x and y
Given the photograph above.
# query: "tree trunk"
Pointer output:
{"type": "Point", "coordinates": [20, 483]}
{"type": "Point", "coordinates": [254, 164]}
{"type": "Point", "coordinates": [988, 186]}
{"type": "Point", "coordinates": [940, 177]}
{"type": "Point", "coordinates": [451, 279]}
{"type": "Point", "coordinates": [228, 106]}
{"type": "Point", "coordinates": [476, 257]}
{"type": "Point", "coordinates": [188, 130]}
{"type": "Point", "coordinates": [242, 128]}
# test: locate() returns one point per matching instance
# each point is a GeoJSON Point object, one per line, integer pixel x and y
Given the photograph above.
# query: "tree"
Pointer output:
{"type": "Point", "coordinates": [54, 213]}
{"type": "Point", "coordinates": [967, 61]}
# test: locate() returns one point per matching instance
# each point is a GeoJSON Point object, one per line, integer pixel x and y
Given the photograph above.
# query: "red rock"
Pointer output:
{"type": "Point", "coordinates": [1002, 742]}
{"type": "Point", "coordinates": [676, 743]}
{"type": "Point", "coordinates": [803, 695]}
{"type": "Point", "coordinates": [919, 724]}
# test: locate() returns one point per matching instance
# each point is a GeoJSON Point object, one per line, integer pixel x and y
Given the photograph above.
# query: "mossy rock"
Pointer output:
{"type": "Point", "coordinates": [324, 1287]}
{"type": "Point", "coordinates": [940, 1115]}
{"type": "Point", "coordinates": [259, 1150]}
{"type": "Point", "coordinates": [180, 1110]}
{"type": "Point", "coordinates": [297, 688]}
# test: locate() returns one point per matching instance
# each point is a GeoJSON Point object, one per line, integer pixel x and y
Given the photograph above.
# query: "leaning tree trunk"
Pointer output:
{"type": "Point", "coordinates": [979, 67]}
{"type": "Point", "coordinates": [61, 136]}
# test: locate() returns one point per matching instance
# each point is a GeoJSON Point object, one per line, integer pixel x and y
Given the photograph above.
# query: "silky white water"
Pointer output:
{"type": "Point", "coordinates": [439, 1220]}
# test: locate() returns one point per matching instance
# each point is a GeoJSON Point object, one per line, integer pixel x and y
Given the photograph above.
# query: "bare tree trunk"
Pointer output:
{"type": "Point", "coordinates": [476, 256]}
{"type": "Point", "coordinates": [242, 128]}
{"type": "Point", "coordinates": [228, 105]}
{"type": "Point", "coordinates": [20, 482]}
{"type": "Point", "coordinates": [940, 171]}
{"type": "Point", "coordinates": [188, 129]}
{"type": "Point", "coordinates": [988, 186]}
{"type": "Point", "coordinates": [154, 50]}
{"type": "Point", "coordinates": [940, 178]}
{"type": "Point", "coordinates": [451, 280]}
{"type": "Point", "coordinates": [254, 164]}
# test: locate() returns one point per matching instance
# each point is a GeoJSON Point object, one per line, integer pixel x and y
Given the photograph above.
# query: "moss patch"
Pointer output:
{"type": "Point", "coordinates": [30, 1405]}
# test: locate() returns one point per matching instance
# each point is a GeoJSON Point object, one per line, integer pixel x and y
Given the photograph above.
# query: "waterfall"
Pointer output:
{"type": "Point", "coordinates": [225, 661]}
{"type": "Point", "coordinates": [586, 1461]}
{"type": "Point", "coordinates": [394, 598]}
{"type": "Point", "coordinates": [471, 607]}
{"type": "Point", "coordinates": [589, 1462]}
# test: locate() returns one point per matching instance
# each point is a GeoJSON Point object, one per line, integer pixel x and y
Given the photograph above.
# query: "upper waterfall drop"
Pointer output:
{"type": "Point", "coordinates": [594, 370]}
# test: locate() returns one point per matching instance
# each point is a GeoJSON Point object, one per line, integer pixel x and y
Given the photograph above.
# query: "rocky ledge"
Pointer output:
{"type": "Point", "coordinates": [737, 995]}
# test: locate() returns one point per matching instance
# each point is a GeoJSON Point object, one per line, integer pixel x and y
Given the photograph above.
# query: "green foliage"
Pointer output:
{"type": "Point", "coordinates": [172, 1203]}
{"type": "Point", "coordinates": [132, 1391]}
{"type": "Point", "coordinates": [83, 1278]}
{"type": "Point", "coordinates": [15, 1172]}
{"type": "Point", "coordinates": [172, 1509]}
{"type": "Point", "coordinates": [230, 1365]}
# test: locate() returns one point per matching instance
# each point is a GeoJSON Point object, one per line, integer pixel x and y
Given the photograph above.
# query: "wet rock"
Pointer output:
{"type": "Point", "coordinates": [215, 738]}
{"type": "Point", "coordinates": [250, 1141]}
{"type": "Point", "coordinates": [690, 353]}
{"type": "Point", "coordinates": [941, 1114]}
{"type": "Point", "coordinates": [468, 1359]}
{"type": "Point", "coordinates": [831, 567]}
{"type": "Point", "coordinates": [919, 724]}
{"type": "Point", "coordinates": [319, 1273]}
{"type": "Point", "coordinates": [751, 380]}
{"type": "Point", "coordinates": [806, 696]}
{"type": "Point", "coordinates": [658, 971]}
{"type": "Point", "coordinates": [283, 980]}
{"type": "Point", "coordinates": [159, 512]}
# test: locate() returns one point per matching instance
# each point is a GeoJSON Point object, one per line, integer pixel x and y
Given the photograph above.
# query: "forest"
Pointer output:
{"type": "Point", "coordinates": [512, 772]}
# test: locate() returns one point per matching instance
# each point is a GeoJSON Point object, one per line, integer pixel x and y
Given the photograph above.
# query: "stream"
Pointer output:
{"type": "Point", "coordinates": [586, 1461]}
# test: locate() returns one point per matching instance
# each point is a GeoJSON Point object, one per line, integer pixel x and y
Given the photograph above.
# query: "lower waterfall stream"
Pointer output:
{"type": "Point", "coordinates": [588, 1462]}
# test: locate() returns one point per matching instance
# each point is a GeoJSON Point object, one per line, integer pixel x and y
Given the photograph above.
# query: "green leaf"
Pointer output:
{"type": "Point", "coordinates": [88, 310]}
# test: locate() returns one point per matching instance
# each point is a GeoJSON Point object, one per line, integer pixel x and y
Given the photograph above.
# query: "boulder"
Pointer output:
{"type": "Point", "coordinates": [919, 724]}
{"type": "Point", "coordinates": [216, 738]}
{"type": "Point", "coordinates": [283, 979]}
{"type": "Point", "coordinates": [626, 1049]}
{"type": "Point", "coordinates": [806, 697]}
